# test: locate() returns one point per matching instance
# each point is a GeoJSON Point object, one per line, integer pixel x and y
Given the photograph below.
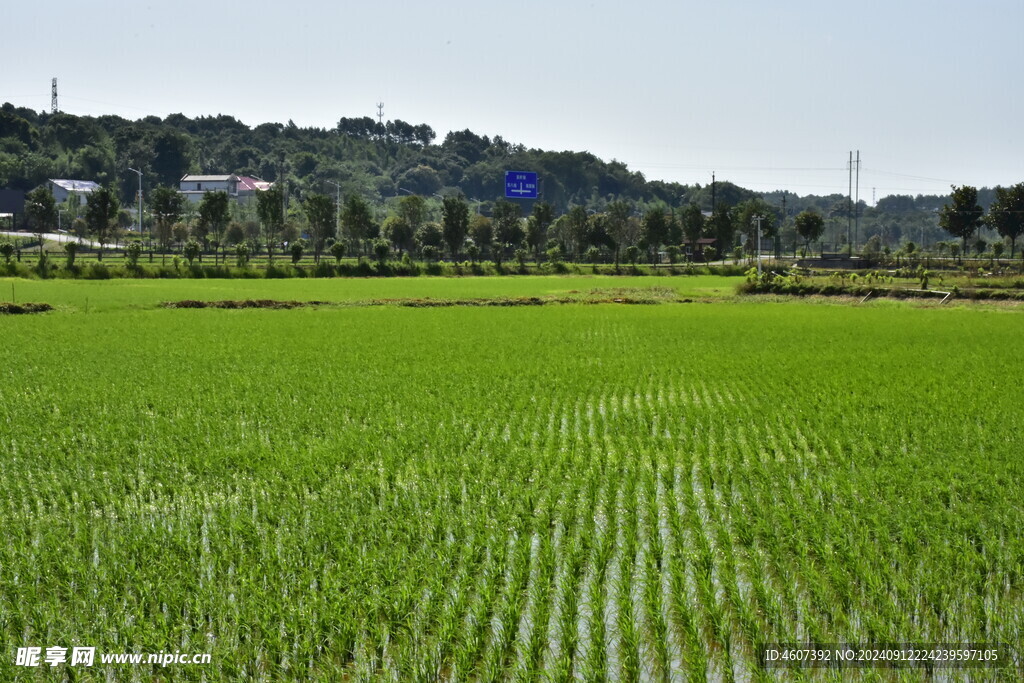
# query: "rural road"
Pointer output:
{"type": "Point", "coordinates": [54, 237]}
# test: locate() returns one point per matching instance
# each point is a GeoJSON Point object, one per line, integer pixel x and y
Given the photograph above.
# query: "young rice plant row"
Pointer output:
{"type": "Point", "coordinates": [573, 492]}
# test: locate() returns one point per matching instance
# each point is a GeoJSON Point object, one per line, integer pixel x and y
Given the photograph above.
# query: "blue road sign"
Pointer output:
{"type": "Point", "coordinates": [521, 185]}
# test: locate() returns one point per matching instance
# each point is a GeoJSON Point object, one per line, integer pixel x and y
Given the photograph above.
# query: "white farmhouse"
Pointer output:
{"type": "Point", "coordinates": [195, 186]}
{"type": "Point", "coordinates": [62, 189]}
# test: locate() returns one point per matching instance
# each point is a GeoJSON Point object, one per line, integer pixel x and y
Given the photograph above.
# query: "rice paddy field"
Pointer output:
{"type": "Point", "coordinates": [560, 492]}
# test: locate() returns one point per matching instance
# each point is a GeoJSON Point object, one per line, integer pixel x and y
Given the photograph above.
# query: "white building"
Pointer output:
{"type": "Point", "coordinates": [240, 188]}
{"type": "Point", "coordinates": [62, 189]}
{"type": "Point", "coordinates": [195, 186]}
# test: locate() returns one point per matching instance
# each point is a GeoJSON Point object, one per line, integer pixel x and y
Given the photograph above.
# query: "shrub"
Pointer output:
{"type": "Point", "coordinates": [132, 253]}
{"type": "Point", "coordinates": [338, 250]}
{"type": "Point", "coordinates": [275, 272]}
{"type": "Point", "coordinates": [521, 255]}
{"type": "Point", "coordinates": [323, 269]}
{"type": "Point", "coordinates": [191, 251]}
{"type": "Point", "coordinates": [42, 268]}
{"type": "Point", "coordinates": [296, 248]}
{"type": "Point", "coordinates": [381, 249]}
{"type": "Point", "coordinates": [71, 250]}
{"type": "Point", "coordinates": [97, 271]}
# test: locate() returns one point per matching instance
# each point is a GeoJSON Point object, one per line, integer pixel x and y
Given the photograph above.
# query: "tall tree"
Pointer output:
{"type": "Point", "coordinates": [167, 205]}
{"type": "Point", "coordinates": [1006, 214]}
{"type": "Point", "coordinates": [413, 208]}
{"type": "Point", "coordinates": [543, 215]}
{"type": "Point", "coordinates": [692, 219]}
{"type": "Point", "coordinates": [214, 213]}
{"type": "Point", "coordinates": [620, 227]}
{"type": "Point", "coordinates": [655, 227]}
{"type": "Point", "coordinates": [101, 209]}
{"type": "Point", "coordinates": [429, 235]}
{"type": "Point", "coordinates": [963, 216]}
{"type": "Point", "coordinates": [270, 210]}
{"type": "Point", "coordinates": [747, 213]}
{"type": "Point", "coordinates": [454, 223]}
{"type": "Point", "coordinates": [356, 221]}
{"type": "Point", "coordinates": [722, 225]}
{"type": "Point", "coordinates": [508, 226]}
{"type": "Point", "coordinates": [398, 231]}
{"type": "Point", "coordinates": [810, 225]}
{"type": "Point", "coordinates": [42, 212]}
{"type": "Point", "coordinates": [319, 210]}
{"type": "Point", "coordinates": [481, 231]}
{"type": "Point", "coordinates": [577, 227]}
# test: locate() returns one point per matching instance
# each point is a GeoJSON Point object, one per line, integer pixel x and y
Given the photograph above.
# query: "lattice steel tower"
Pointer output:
{"type": "Point", "coordinates": [53, 96]}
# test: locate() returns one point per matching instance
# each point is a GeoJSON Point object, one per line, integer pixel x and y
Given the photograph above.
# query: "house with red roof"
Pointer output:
{"type": "Point", "coordinates": [240, 188]}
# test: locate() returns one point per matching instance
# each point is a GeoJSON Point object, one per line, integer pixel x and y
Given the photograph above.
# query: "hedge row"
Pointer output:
{"type": "Point", "coordinates": [325, 269]}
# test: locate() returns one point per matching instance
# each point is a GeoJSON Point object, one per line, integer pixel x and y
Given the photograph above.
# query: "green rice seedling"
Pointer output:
{"type": "Point", "coordinates": [586, 491]}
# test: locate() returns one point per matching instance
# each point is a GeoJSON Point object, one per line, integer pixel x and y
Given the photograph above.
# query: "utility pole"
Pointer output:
{"type": "Point", "coordinates": [856, 208]}
{"type": "Point", "coordinates": [284, 191]}
{"type": "Point", "coordinates": [712, 192]}
{"type": "Point", "coordinates": [849, 205]}
{"type": "Point", "coordinates": [53, 96]}
{"type": "Point", "coordinates": [778, 241]}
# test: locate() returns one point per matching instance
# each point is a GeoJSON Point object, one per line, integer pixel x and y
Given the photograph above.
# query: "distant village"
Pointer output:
{"type": "Point", "coordinates": [193, 187]}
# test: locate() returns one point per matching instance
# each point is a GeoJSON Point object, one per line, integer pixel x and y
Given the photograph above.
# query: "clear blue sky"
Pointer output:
{"type": "Point", "coordinates": [768, 95]}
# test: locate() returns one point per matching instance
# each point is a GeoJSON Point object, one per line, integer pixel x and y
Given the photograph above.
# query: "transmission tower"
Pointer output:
{"type": "Point", "coordinates": [380, 112]}
{"type": "Point", "coordinates": [53, 96]}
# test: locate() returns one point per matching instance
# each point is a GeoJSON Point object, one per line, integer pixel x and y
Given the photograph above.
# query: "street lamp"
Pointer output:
{"type": "Point", "coordinates": [139, 173]}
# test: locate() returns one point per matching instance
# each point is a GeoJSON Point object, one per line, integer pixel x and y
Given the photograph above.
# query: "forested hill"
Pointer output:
{"type": "Point", "coordinates": [374, 160]}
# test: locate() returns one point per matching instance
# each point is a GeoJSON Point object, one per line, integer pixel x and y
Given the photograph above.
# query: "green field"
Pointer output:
{"type": "Point", "coordinates": [106, 295]}
{"type": "Point", "coordinates": [572, 491]}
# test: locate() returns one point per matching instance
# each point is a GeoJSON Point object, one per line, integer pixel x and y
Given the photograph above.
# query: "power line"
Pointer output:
{"type": "Point", "coordinates": [905, 175]}
{"type": "Point", "coordinates": [698, 167]}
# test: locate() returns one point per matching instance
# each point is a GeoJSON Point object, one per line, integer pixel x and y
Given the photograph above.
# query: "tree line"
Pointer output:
{"type": "Point", "coordinates": [428, 229]}
{"type": "Point", "coordinates": [962, 216]}
{"type": "Point", "coordinates": [380, 164]}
